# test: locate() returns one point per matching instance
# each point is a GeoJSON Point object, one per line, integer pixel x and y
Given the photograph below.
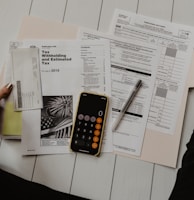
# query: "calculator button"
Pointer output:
{"type": "Point", "coordinates": [84, 130]}
{"type": "Point", "coordinates": [95, 139]}
{"type": "Point", "coordinates": [96, 132]}
{"type": "Point", "coordinates": [89, 137]}
{"type": "Point", "coordinates": [88, 144]}
{"type": "Point", "coordinates": [80, 143]}
{"type": "Point", "coordinates": [99, 120]}
{"type": "Point", "coordinates": [98, 126]}
{"type": "Point", "coordinates": [80, 116]}
{"type": "Point", "coordinates": [94, 145]}
{"type": "Point", "coordinates": [83, 137]}
{"type": "Point", "coordinates": [87, 118]}
{"type": "Point", "coordinates": [93, 119]}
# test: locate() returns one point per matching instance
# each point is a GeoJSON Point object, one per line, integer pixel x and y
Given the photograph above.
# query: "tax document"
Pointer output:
{"type": "Point", "coordinates": [176, 46]}
{"type": "Point", "coordinates": [67, 68]}
{"type": "Point", "coordinates": [130, 61]}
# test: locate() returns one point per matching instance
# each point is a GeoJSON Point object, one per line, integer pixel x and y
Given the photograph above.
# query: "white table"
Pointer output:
{"type": "Point", "coordinates": [110, 177]}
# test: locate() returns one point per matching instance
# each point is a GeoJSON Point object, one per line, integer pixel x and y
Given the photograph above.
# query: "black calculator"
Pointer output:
{"type": "Point", "coordinates": [89, 124]}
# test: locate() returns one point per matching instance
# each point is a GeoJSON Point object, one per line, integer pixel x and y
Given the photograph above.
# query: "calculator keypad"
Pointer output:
{"type": "Point", "coordinates": [88, 132]}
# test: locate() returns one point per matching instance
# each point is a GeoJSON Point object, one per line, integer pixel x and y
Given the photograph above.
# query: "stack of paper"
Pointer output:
{"type": "Point", "coordinates": [137, 47]}
{"type": "Point", "coordinates": [67, 68]}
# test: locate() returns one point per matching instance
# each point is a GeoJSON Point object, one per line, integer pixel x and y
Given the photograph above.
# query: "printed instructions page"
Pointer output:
{"type": "Point", "coordinates": [176, 46]}
{"type": "Point", "coordinates": [130, 61]}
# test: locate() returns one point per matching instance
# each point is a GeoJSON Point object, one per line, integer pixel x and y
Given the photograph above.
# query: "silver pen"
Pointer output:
{"type": "Point", "coordinates": [127, 104]}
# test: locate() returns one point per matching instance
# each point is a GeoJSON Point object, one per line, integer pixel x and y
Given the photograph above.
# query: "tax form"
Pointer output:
{"type": "Point", "coordinates": [26, 78]}
{"type": "Point", "coordinates": [176, 46]}
{"type": "Point", "coordinates": [67, 68]}
{"type": "Point", "coordinates": [130, 61]}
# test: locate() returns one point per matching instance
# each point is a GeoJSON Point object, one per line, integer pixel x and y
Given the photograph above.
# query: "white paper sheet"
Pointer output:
{"type": "Point", "coordinates": [130, 61]}
{"type": "Point", "coordinates": [27, 90]}
{"type": "Point", "coordinates": [176, 43]}
{"type": "Point", "coordinates": [67, 68]}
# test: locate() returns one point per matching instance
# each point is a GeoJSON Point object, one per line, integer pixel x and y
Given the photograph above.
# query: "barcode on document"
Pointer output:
{"type": "Point", "coordinates": [19, 94]}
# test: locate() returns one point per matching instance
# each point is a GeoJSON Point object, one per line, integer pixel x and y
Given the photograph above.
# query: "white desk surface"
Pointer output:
{"type": "Point", "coordinates": [109, 177]}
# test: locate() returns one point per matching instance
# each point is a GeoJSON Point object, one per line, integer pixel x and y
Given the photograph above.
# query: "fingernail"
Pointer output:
{"type": "Point", "coordinates": [9, 85]}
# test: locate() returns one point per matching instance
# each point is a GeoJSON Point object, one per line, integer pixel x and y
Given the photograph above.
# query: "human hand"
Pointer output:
{"type": "Point", "coordinates": [5, 91]}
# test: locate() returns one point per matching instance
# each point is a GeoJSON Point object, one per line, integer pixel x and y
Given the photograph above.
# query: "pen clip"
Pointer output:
{"type": "Point", "coordinates": [134, 92]}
